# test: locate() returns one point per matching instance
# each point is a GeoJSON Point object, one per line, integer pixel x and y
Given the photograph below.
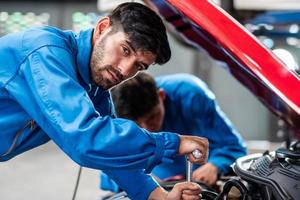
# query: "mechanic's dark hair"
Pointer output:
{"type": "Point", "coordinates": [144, 28]}
{"type": "Point", "coordinates": [135, 97]}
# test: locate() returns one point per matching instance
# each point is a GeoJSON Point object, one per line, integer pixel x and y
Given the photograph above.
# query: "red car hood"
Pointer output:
{"type": "Point", "coordinates": [206, 26]}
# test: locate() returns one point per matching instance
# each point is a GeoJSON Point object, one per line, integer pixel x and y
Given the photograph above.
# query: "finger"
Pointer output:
{"type": "Point", "coordinates": [192, 192]}
{"type": "Point", "coordinates": [180, 186]}
{"type": "Point", "coordinates": [179, 189]}
{"type": "Point", "coordinates": [187, 186]}
{"type": "Point", "coordinates": [204, 179]}
{"type": "Point", "coordinates": [212, 180]}
{"type": "Point", "coordinates": [198, 178]}
{"type": "Point", "coordinates": [190, 197]}
{"type": "Point", "coordinates": [203, 148]}
{"type": "Point", "coordinates": [206, 182]}
{"type": "Point", "coordinates": [200, 160]}
{"type": "Point", "coordinates": [191, 143]}
{"type": "Point", "coordinates": [193, 189]}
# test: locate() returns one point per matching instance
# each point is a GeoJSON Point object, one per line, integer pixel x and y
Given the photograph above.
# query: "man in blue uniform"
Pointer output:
{"type": "Point", "coordinates": [179, 103]}
{"type": "Point", "coordinates": [54, 85]}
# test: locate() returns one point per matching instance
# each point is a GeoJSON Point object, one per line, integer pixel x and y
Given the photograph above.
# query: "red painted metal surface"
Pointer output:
{"type": "Point", "coordinates": [208, 27]}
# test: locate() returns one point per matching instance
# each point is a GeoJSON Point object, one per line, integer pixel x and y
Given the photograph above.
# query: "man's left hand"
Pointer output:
{"type": "Point", "coordinates": [180, 191]}
{"type": "Point", "coordinates": [207, 173]}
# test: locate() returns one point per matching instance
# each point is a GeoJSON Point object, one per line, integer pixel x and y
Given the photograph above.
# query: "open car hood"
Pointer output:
{"type": "Point", "coordinates": [206, 26]}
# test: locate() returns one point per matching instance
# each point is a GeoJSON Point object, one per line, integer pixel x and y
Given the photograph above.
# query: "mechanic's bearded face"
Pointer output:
{"type": "Point", "coordinates": [114, 58]}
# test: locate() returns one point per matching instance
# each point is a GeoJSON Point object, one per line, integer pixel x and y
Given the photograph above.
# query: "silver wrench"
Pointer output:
{"type": "Point", "coordinates": [189, 165]}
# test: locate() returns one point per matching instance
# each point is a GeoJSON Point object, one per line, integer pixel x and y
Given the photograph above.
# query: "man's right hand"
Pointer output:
{"type": "Point", "coordinates": [190, 143]}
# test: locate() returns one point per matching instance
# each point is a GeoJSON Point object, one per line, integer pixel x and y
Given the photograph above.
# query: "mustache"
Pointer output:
{"type": "Point", "coordinates": [116, 72]}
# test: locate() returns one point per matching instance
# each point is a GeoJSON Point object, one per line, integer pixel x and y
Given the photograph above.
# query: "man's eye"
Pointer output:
{"type": "Point", "coordinates": [126, 51]}
{"type": "Point", "coordinates": [140, 67]}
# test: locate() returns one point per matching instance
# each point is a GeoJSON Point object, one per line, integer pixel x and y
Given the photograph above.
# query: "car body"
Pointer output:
{"type": "Point", "coordinates": [206, 26]}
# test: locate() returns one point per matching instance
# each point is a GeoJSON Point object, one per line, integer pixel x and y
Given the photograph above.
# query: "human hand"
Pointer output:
{"type": "Point", "coordinates": [190, 143]}
{"type": "Point", "coordinates": [207, 173]}
{"type": "Point", "coordinates": [180, 191]}
{"type": "Point", "coordinates": [185, 191]}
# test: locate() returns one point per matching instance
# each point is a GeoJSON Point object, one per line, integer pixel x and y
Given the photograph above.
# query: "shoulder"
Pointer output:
{"type": "Point", "coordinates": [183, 83]}
{"type": "Point", "coordinates": [38, 37]}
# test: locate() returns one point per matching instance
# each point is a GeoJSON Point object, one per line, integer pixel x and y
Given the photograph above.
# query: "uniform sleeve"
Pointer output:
{"type": "Point", "coordinates": [136, 183]}
{"type": "Point", "coordinates": [225, 143]}
{"type": "Point", "coordinates": [65, 112]}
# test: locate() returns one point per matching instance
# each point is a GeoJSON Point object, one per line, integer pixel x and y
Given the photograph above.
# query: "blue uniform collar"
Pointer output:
{"type": "Point", "coordinates": [84, 42]}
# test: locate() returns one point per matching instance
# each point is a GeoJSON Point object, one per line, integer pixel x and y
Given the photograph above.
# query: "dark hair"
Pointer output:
{"type": "Point", "coordinates": [135, 97]}
{"type": "Point", "coordinates": [144, 28]}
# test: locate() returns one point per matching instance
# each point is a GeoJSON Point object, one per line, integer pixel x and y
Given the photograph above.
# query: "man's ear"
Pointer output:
{"type": "Point", "coordinates": [102, 25]}
{"type": "Point", "coordinates": [161, 94]}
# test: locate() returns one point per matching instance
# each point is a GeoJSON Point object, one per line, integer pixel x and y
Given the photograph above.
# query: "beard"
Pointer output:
{"type": "Point", "coordinates": [99, 69]}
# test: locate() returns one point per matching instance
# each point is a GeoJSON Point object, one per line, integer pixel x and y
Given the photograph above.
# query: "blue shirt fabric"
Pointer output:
{"type": "Point", "coordinates": [191, 109]}
{"type": "Point", "coordinates": [46, 94]}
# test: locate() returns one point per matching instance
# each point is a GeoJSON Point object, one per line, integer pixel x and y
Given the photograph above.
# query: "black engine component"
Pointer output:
{"type": "Point", "coordinates": [269, 176]}
{"type": "Point", "coordinates": [274, 175]}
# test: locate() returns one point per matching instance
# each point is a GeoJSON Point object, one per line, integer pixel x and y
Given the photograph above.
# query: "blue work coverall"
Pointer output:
{"type": "Point", "coordinates": [46, 94]}
{"type": "Point", "coordinates": [191, 109]}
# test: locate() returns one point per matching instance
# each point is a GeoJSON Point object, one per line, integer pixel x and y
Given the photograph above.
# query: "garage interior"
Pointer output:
{"type": "Point", "coordinates": [47, 173]}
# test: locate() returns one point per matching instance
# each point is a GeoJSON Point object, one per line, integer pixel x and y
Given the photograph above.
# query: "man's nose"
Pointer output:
{"type": "Point", "coordinates": [128, 68]}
